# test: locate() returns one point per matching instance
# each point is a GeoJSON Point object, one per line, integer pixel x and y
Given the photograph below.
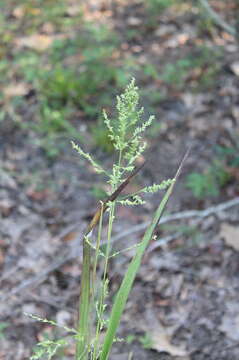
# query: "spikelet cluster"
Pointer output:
{"type": "Point", "coordinates": [126, 134]}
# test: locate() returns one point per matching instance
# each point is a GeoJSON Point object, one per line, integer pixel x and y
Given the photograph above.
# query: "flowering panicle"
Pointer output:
{"type": "Point", "coordinates": [88, 157]}
{"type": "Point", "coordinates": [126, 135]}
{"type": "Point", "coordinates": [156, 187]}
{"type": "Point", "coordinates": [135, 200]}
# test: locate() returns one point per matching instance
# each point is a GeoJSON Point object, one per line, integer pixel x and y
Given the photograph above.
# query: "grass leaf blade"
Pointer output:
{"type": "Point", "coordinates": [126, 285]}
{"type": "Point", "coordinates": [128, 280]}
{"type": "Point", "coordinates": [84, 306]}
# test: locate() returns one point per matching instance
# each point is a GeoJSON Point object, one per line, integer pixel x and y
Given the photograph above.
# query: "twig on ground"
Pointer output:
{"type": "Point", "coordinates": [58, 303]}
{"type": "Point", "coordinates": [36, 280]}
{"type": "Point", "coordinates": [7, 274]}
{"type": "Point", "coordinates": [217, 19]}
{"type": "Point", "coordinates": [179, 216]}
{"type": "Point", "coordinates": [162, 241]}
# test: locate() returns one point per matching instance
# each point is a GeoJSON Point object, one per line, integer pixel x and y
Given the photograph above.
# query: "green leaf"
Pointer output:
{"type": "Point", "coordinates": [84, 307]}
{"type": "Point", "coordinates": [126, 285]}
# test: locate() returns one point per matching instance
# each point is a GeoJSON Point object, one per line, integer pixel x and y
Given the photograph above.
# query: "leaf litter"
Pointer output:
{"type": "Point", "coordinates": [190, 291]}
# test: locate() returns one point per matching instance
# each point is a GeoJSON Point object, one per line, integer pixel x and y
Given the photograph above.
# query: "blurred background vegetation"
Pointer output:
{"type": "Point", "coordinates": [62, 61]}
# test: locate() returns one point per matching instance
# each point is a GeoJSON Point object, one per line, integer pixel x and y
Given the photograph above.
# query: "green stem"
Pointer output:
{"type": "Point", "coordinates": [108, 247]}
{"type": "Point", "coordinates": [126, 285]}
{"type": "Point", "coordinates": [97, 249]}
{"type": "Point", "coordinates": [104, 281]}
{"type": "Point", "coordinates": [97, 332]}
{"type": "Point", "coordinates": [83, 341]}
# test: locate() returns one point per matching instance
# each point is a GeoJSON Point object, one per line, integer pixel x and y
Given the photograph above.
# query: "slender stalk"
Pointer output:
{"type": "Point", "coordinates": [109, 233]}
{"type": "Point", "coordinates": [126, 285]}
{"type": "Point", "coordinates": [97, 332]}
{"type": "Point", "coordinates": [83, 341]}
{"type": "Point", "coordinates": [104, 281]}
{"type": "Point", "coordinates": [104, 286]}
{"type": "Point", "coordinates": [97, 250]}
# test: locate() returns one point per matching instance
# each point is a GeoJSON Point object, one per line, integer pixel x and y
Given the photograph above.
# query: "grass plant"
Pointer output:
{"type": "Point", "coordinates": [204, 62]}
{"type": "Point", "coordinates": [126, 135]}
{"type": "Point", "coordinates": [212, 180]}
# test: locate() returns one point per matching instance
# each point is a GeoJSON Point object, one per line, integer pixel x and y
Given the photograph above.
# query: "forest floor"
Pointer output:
{"type": "Point", "coordinates": [184, 304]}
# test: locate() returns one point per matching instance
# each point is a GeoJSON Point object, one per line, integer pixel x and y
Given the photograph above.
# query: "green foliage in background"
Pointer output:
{"type": "Point", "coordinates": [78, 74]}
{"type": "Point", "coordinates": [214, 178]}
{"type": "Point", "coordinates": [203, 58]}
{"type": "Point", "coordinates": [209, 182]}
{"type": "Point", "coordinates": [229, 154]}
{"type": "Point", "coordinates": [155, 7]}
{"type": "Point", "coordinates": [146, 341]}
{"type": "Point", "coordinates": [3, 325]}
{"type": "Point", "coordinates": [83, 82]}
{"type": "Point", "coordinates": [84, 68]}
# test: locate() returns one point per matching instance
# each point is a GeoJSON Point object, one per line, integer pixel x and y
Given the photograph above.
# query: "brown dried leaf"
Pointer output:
{"type": "Point", "coordinates": [235, 113]}
{"type": "Point", "coordinates": [16, 89]}
{"type": "Point", "coordinates": [63, 317]}
{"type": "Point", "coordinates": [48, 28]}
{"type": "Point", "coordinates": [70, 236]}
{"type": "Point", "coordinates": [235, 67]}
{"type": "Point", "coordinates": [35, 41]}
{"type": "Point", "coordinates": [231, 235]}
{"type": "Point", "coordinates": [233, 171]}
{"type": "Point", "coordinates": [19, 12]}
{"type": "Point", "coordinates": [230, 321]}
{"type": "Point", "coordinates": [134, 21]}
{"type": "Point", "coordinates": [73, 10]}
{"type": "Point", "coordinates": [6, 206]}
{"type": "Point", "coordinates": [1, 258]}
{"type": "Point", "coordinates": [164, 30]}
{"type": "Point", "coordinates": [161, 336]}
{"type": "Point", "coordinates": [37, 195]}
{"type": "Point", "coordinates": [7, 180]}
{"type": "Point", "coordinates": [161, 343]}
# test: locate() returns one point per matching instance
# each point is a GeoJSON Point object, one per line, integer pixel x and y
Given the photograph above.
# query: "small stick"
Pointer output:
{"type": "Point", "coordinates": [69, 256]}
{"type": "Point", "coordinates": [218, 20]}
